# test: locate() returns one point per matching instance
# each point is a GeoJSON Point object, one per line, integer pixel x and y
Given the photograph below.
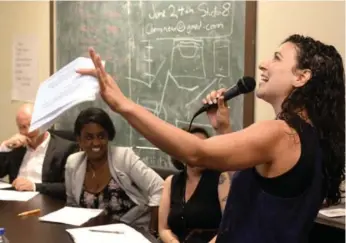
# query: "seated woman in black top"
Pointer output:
{"type": "Point", "coordinates": [193, 199]}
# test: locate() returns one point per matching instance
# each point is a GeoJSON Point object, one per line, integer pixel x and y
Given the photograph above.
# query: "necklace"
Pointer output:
{"type": "Point", "coordinates": [93, 171]}
{"type": "Point", "coordinates": [93, 175]}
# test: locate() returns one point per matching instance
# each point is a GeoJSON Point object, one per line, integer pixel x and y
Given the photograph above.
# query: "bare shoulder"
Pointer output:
{"type": "Point", "coordinates": [270, 137]}
{"type": "Point", "coordinates": [256, 144]}
{"type": "Point", "coordinates": [284, 147]}
{"type": "Point", "coordinates": [278, 130]}
{"type": "Point", "coordinates": [275, 127]}
{"type": "Point", "coordinates": [270, 131]}
{"type": "Point", "coordinates": [168, 181]}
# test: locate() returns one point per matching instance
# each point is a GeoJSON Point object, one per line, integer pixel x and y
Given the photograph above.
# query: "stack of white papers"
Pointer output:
{"type": "Point", "coordinates": [119, 233]}
{"type": "Point", "coordinates": [4, 185]}
{"type": "Point", "coordinates": [9, 195]}
{"type": "Point", "coordinates": [333, 212]}
{"type": "Point", "coordinates": [71, 215]}
{"type": "Point", "coordinates": [62, 91]}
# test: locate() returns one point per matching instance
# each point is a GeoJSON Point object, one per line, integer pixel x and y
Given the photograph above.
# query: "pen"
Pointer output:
{"type": "Point", "coordinates": [107, 231]}
{"type": "Point", "coordinates": [29, 212]}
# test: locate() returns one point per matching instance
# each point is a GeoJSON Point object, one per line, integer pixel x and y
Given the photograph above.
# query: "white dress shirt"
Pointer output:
{"type": "Point", "coordinates": [31, 167]}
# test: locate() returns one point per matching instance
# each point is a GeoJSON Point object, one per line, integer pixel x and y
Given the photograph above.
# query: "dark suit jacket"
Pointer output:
{"type": "Point", "coordinates": [53, 169]}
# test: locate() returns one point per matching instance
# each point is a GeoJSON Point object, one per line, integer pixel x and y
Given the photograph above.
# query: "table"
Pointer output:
{"type": "Point", "coordinates": [31, 230]}
{"type": "Point", "coordinates": [2, 203]}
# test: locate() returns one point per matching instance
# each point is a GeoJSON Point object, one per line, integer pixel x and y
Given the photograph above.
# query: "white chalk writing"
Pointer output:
{"type": "Point", "coordinates": [214, 12]}
{"type": "Point", "coordinates": [181, 27]}
{"type": "Point", "coordinates": [202, 10]}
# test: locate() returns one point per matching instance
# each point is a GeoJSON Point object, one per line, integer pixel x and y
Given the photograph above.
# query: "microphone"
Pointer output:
{"type": "Point", "coordinates": [243, 86]}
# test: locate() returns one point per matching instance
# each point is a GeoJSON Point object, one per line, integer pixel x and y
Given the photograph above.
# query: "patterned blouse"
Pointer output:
{"type": "Point", "coordinates": [112, 198]}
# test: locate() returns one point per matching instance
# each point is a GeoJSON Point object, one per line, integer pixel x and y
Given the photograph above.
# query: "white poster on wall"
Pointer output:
{"type": "Point", "coordinates": [25, 68]}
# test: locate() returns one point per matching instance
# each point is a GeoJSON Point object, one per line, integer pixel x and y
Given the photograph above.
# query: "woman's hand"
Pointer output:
{"type": "Point", "coordinates": [218, 116]}
{"type": "Point", "coordinates": [109, 89]}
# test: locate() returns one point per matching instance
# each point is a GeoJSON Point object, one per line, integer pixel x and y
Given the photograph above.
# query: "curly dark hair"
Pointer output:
{"type": "Point", "coordinates": [323, 100]}
{"type": "Point", "coordinates": [193, 130]}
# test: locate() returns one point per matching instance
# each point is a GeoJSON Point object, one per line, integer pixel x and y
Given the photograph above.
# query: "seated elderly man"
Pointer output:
{"type": "Point", "coordinates": [33, 161]}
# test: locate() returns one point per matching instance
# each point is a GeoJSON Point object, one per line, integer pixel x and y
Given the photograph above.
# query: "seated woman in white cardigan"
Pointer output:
{"type": "Point", "coordinates": [110, 177]}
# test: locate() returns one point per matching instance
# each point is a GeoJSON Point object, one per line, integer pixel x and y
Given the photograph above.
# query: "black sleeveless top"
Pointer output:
{"type": "Point", "coordinates": [201, 211]}
{"type": "Point", "coordinates": [258, 211]}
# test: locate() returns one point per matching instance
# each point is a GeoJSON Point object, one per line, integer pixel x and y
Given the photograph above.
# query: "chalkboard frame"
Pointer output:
{"type": "Point", "coordinates": [249, 55]}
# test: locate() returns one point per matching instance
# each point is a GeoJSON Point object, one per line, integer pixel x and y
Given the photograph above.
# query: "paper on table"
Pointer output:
{"type": "Point", "coordinates": [4, 185]}
{"type": "Point", "coordinates": [7, 195]}
{"type": "Point", "coordinates": [333, 212]}
{"type": "Point", "coordinates": [128, 234]}
{"type": "Point", "coordinates": [71, 215]}
{"type": "Point", "coordinates": [65, 87]}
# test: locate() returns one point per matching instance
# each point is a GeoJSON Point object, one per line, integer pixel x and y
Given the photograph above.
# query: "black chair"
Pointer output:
{"type": "Point", "coordinates": [65, 134]}
{"type": "Point", "coordinates": [165, 172]}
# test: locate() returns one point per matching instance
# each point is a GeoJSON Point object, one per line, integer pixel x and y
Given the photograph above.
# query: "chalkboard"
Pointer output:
{"type": "Point", "coordinates": [165, 56]}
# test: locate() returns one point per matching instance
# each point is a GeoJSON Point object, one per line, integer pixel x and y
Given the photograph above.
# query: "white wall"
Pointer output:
{"type": "Point", "coordinates": [275, 21]}
{"type": "Point", "coordinates": [20, 18]}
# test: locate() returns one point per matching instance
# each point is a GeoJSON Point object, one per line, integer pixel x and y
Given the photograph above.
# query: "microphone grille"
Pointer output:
{"type": "Point", "coordinates": [246, 84]}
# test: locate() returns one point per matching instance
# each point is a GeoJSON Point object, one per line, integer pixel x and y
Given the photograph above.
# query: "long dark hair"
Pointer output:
{"type": "Point", "coordinates": [323, 99]}
{"type": "Point", "coordinates": [194, 129]}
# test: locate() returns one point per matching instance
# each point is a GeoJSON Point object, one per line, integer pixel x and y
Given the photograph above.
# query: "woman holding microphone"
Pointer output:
{"type": "Point", "coordinates": [285, 167]}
